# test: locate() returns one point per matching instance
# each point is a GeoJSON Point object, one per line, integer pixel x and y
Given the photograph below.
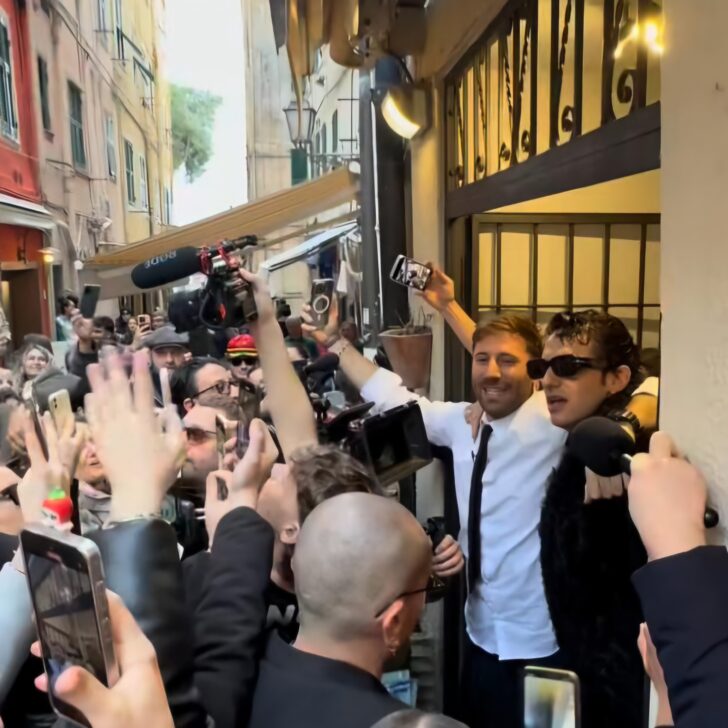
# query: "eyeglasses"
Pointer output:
{"type": "Point", "coordinates": [434, 591]}
{"type": "Point", "coordinates": [566, 366]}
{"type": "Point", "coordinates": [198, 435]}
{"type": "Point", "coordinates": [224, 386]}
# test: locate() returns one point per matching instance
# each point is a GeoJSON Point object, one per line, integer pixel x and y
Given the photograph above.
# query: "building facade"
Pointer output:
{"type": "Point", "coordinates": [25, 225]}
{"type": "Point", "coordinates": [332, 92]}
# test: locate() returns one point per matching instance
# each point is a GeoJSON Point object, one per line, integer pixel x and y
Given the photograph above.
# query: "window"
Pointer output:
{"type": "Point", "coordinates": [43, 87]}
{"type": "Point", "coordinates": [8, 117]}
{"type": "Point", "coordinates": [75, 113]}
{"type": "Point", "coordinates": [129, 164]}
{"type": "Point", "coordinates": [110, 131]}
{"type": "Point", "coordinates": [143, 188]}
{"type": "Point", "coordinates": [103, 11]}
{"type": "Point", "coordinates": [335, 133]}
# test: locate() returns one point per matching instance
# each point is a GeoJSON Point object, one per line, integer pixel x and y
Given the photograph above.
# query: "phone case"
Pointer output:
{"type": "Point", "coordinates": [59, 404]}
{"type": "Point", "coordinates": [322, 292]}
{"type": "Point", "coordinates": [37, 534]}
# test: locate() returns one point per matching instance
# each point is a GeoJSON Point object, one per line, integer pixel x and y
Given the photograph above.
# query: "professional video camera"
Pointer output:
{"type": "Point", "coordinates": [225, 300]}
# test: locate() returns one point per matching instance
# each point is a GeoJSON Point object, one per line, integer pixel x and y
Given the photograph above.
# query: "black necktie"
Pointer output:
{"type": "Point", "coordinates": [476, 498]}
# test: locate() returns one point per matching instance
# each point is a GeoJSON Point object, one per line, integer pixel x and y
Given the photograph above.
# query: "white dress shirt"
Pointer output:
{"type": "Point", "coordinates": [507, 614]}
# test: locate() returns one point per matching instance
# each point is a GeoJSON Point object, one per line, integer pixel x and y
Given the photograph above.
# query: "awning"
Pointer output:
{"type": "Point", "coordinates": [313, 245]}
{"type": "Point", "coordinates": [14, 211]}
{"type": "Point", "coordinates": [260, 217]}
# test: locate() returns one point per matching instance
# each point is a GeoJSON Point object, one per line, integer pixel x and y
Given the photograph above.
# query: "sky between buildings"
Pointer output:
{"type": "Point", "coordinates": [205, 51]}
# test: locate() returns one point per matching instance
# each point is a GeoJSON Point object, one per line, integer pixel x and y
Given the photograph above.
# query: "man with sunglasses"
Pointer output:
{"type": "Point", "coordinates": [589, 550]}
{"type": "Point", "coordinates": [362, 567]}
{"type": "Point", "coordinates": [200, 380]}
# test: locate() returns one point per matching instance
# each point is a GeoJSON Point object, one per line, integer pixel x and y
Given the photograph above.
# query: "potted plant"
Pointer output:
{"type": "Point", "coordinates": [409, 348]}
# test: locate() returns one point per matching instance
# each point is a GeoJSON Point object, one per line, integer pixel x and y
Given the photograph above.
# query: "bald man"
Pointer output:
{"type": "Point", "coordinates": [361, 564]}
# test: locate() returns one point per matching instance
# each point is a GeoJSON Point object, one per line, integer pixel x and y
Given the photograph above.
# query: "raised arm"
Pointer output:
{"type": "Point", "coordinates": [287, 400]}
{"type": "Point", "coordinates": [440, 294]}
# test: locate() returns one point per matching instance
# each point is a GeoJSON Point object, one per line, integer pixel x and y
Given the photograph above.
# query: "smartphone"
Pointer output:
{"type": "Point", "coordinates": [59, 404]}
{"type": "Point", "coordinates": [144, 319]}
{"type": "Point", "coordinates": [66, 583]}
{"type": "Point", "coordinates": [89, 300]}
{"type": "Point", "coordinates": [221, 438]}
{"type": "Point", "coordinates": [32, 406]}
{"type": "Point", "coordinates": [165, 387]}
{"type": "Point", "coordinates": [551, 698]}
{"type": "Point", "coordinates": [322, 292]}
{"type": "Point", "coordinates": [408, 272]}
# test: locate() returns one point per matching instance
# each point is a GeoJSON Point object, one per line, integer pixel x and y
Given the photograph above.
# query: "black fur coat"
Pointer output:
{"type": "Point", "coordinates": [588, 554]}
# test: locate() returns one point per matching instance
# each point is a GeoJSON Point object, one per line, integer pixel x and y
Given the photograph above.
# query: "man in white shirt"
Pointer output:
{"type": "Point", "coordinates": [507, 617]}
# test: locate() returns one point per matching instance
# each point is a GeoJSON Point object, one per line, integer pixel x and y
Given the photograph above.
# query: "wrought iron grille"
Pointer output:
{"type": "Point", "coordinates": [544, 73]}
{"type": "Point", "coordinates": [542, 264]}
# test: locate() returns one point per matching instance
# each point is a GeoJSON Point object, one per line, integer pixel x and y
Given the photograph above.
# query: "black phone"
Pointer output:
{"type": "Point", "coordinates": [322, 293]}
{"type": "Point", "coordinates": [89, 300]}
{"type": "Point", "coordinates": [220, 440]}
{"type": "Point", "coordinates": [66, 583]}
{"type": "Point", "coordinates": [408, 272]}
{"type": "Point", "coordinates": [32, 406]}
{"type": "Point", "coordinates": [551, 698]}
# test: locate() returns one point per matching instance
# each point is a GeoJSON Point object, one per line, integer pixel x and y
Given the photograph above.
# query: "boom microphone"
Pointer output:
{"type": "Point", "coordinates": [167, 268]}
{"type": "Point", "coordinates": [607, 449]}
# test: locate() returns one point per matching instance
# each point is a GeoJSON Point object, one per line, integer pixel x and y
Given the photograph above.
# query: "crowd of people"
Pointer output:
{"type": "Point", "coordinates": [272, 582]}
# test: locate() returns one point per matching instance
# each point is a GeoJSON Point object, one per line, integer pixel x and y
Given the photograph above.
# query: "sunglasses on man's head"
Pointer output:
{"type": "Point", "coordinates": [434, 591]}
{"type": "Point", "coordinates": [566, 365]}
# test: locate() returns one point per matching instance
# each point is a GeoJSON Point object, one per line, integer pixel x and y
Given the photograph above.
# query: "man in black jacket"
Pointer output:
{"type": "Point", "coordinates": [684, 588]}
{"type": "Point", "coordinates": [362, 564]}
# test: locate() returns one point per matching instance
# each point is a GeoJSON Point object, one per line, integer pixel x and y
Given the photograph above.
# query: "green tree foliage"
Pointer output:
{"type": "Point", "coordinates": [193, 119]}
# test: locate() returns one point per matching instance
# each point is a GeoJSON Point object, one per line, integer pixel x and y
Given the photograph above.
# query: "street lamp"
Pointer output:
{"type": "Point", "coordinates": [300, 122]}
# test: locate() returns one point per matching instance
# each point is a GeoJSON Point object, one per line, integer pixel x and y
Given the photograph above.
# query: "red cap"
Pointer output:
{"type": "Point", "coordinates": [242, 345]}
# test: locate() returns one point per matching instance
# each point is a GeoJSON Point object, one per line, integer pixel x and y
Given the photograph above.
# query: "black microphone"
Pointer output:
{"type": "Point", "coordinates": [167, 268]}
{"type": "Point", "coordinates": [607, 449]}
{"type": "Point", "coordinates": [327, 363]}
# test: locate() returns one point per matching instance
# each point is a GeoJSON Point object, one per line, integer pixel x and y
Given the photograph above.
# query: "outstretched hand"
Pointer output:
{"type": "Point", "coordinates": [138, 698]}
{"type": "Point", "coordinates": [48, 473]}
{"type": "Point", "coordinates": [667, 498]}
{"type": "Point", "coordinates": [226, 491]}
{"type": "Point", "coordinates": [140, 451]}
{"type": "Point", "coordinates": [440, 290]}
{"type": "Point", "coordinates": [326, 333]}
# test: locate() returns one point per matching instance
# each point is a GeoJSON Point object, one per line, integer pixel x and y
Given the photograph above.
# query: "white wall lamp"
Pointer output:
{"type": "Point", "coordinates": [407, 109]}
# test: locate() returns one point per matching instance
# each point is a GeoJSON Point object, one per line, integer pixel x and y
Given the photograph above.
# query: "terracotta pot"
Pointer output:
{"type": "Point", "coordinates": [410, 355]}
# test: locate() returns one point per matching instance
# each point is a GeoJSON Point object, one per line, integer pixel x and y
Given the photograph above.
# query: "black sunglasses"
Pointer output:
{"type": "Point", "coordinates": [224, 386]}
{"type": "Point", "coordinates": [566, 366]}
{"type": "Point", "coordinates": [434, 591]}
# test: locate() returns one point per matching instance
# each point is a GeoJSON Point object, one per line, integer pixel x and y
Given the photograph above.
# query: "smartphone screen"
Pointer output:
{"type": "Point", "coordinates": [72, 623]}
{"type": "Point", "coordinates": [551, 699]}
{"type": "Point", "coordinates": [408, 272]}
{"type": "Point", "coordinates": [89, 300]}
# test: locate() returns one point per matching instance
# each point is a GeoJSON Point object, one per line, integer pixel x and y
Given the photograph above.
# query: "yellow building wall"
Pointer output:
{"type": "Point", "coordinates": [144, 116]}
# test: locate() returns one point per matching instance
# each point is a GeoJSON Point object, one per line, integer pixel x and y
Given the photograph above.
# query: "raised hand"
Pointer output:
{"type": "Point", "coordinates": [330, 331]}
{"type": "Point", "coordinates": [55, 471]}
{"type": "Point", "coordinates": [440, 289]}
{"type": "Point", "coordinates": [667, 498]}
{"type": "Point", "coordinates": [242, 486]}
{"type": "Point", "coordinates": [141, 452]}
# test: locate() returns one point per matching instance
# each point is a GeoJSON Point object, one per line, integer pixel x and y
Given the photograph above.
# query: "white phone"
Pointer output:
{"type": "Point", "coordinates": [59, 404]}
{"type": "Point", "coordinates": [66, 583]}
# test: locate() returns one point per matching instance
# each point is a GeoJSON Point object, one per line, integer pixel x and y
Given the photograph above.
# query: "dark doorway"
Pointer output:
{"type": "Point", "coordinates": [22, 301]}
